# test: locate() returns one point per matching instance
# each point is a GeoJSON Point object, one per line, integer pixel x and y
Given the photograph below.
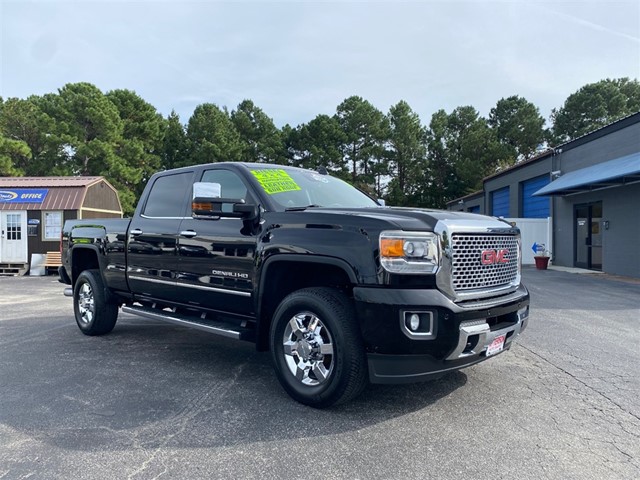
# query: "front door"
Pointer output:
{"type": "Point", "coordinates": [13, 237]}
{"type": "Point", "coordinates": [588, 228]}
{"type": "Point", "coordinates": [216, 258]}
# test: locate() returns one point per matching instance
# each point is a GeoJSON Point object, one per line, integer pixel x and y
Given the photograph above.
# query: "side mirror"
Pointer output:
{"type": "Point", "coordinates": [207, 203]}
{"type": "Point", "coordinates": [245, 210]}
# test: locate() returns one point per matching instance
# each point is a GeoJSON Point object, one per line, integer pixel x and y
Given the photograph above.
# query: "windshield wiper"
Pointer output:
{"type": "Point", "coordinates": [300, 209]}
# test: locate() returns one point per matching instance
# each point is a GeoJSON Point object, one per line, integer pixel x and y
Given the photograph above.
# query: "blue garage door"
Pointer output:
{"type": "Point", "coordinates": [475, 209]}
{"type": "Point", "coordinates": [500, 202]}
{"type": "Point", "coordinates": [535, 207]}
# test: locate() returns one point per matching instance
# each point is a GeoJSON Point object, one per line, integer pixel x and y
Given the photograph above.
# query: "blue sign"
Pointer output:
{"type": "Point", "coordinates": [538, 248]}
{"type": "Point", "coordinates": [23, 195]}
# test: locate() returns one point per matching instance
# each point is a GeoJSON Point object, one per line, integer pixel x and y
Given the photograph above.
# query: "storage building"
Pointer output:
{"type": "Point", "coordinates": [33, 210]}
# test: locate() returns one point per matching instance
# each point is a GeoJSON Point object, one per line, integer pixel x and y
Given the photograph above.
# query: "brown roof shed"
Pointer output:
{"type": "Point", "coordinates": [85, 194]}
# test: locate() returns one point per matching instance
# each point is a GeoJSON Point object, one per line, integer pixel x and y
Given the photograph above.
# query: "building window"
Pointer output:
{"type": "Point", "coordinates": [14, 227]}
{"type": "Point", "coordinates": [500, 202]}
{"type": "Point", "coordinates": [52, 226]}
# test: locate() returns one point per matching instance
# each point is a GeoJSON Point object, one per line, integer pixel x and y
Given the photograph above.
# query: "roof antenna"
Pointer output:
{"type": "Point", "coordinates": [322, 170]}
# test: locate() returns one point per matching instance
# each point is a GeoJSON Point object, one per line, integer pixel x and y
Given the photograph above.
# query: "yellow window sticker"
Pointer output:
{"type": "Point", "coordinates": [275, 181]}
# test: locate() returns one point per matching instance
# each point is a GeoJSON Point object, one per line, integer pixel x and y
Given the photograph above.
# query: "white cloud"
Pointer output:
{"type": "Point", "coordinates": [299, 59]}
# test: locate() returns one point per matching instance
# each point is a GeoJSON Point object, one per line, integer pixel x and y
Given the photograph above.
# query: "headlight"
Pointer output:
{"type": "Point", "coordinates": [409, 252]}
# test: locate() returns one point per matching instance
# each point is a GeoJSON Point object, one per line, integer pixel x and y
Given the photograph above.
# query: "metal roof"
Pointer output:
{"type": "Point", "coordinates": [35, 182]}
{"type": "Point", "coordinates": [616, 172]}
{"type": "Point", "coordinates": [538, 156]}
{"type": "Point", "coordinates": [571, 144]}
{"type": "Point", "coordinates": [62, 193]}
{"type": "Point", "coordinates": [470, 196]}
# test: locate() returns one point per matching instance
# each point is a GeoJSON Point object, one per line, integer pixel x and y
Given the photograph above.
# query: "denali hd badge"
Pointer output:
{"type": "Point", "coordinates": [490, 257]}
{"type": "Point", "coordinates": [222, 273]}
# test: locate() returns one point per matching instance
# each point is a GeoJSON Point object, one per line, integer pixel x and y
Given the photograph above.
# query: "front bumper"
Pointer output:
{"type": "Point", "coordinates": [414, 368]}
{"type": "Point", "coordinates": [460, 335]}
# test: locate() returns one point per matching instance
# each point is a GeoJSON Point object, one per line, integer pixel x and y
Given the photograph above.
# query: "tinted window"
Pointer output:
{"type": "Point", "coordinates": [231, 186]}
{"type": "Point", "coordinates": [166, 198]}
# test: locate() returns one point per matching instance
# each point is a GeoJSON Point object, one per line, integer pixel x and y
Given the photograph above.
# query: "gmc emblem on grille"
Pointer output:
{"type": "Point", "coordinates": [489, 257]}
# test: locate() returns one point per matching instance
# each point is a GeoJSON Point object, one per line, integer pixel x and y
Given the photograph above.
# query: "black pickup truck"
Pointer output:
{"type": "Point", "coordinates": [339, 289]}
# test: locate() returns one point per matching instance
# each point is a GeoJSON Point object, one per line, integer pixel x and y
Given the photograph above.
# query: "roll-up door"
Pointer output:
{"type": "Point", "coordinates": [500, 202]}
{"type": "Point", "coordinates": [534, 207]}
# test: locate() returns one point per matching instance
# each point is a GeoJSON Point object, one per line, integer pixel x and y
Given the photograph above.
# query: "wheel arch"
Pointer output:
{"type": "Point", "coordinates": [283, 274]}
{"type": "Point", "coordinates": [84, 258]}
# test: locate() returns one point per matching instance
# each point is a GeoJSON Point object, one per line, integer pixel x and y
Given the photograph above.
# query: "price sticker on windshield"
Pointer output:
{"type": "Point", "coordinates": [275, 180]}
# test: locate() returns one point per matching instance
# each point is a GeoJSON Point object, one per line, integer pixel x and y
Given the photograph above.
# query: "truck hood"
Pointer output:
{"type": "Point", "coordinates": [417, 219]}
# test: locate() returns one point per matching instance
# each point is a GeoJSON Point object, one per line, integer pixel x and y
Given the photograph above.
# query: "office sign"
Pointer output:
{"type": "Point", "coordinates": [23, 195]}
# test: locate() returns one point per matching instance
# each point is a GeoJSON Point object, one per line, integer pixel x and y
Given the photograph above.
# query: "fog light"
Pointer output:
{"type": "Point", "coordinates": [414, 322]}
{"type": "Point", "coordinates": [523, 313]}
{"type": "Point", "coordinates": [418, 325]}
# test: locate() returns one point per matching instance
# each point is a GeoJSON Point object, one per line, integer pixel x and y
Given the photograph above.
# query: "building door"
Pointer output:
{"type": "Point", "coordinates": [535, 207]}
{"type": "Point", "coordinates": [500, 202]}
{"type": "Point", "coordinates": [13, 237]}
{"type": "Point", "coordinates": [588, 228]}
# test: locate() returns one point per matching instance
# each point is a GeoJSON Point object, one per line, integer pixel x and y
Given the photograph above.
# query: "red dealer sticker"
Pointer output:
{"type": "Point", "coordinates": [496, 346]}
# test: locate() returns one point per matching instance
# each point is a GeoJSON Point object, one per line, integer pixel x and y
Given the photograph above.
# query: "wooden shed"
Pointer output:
{"type": "Point", "coordinates": [33, 210]}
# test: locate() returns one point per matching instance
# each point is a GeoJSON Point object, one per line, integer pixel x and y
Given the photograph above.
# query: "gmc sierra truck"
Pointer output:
{"type": "Point", "coordinates": [338, 288]}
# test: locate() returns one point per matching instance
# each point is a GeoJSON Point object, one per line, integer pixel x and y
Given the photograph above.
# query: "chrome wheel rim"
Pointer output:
{"type": "Point", "coordinates": [308, 349]}
{"type": "Point", "coordinates": [86, 303]}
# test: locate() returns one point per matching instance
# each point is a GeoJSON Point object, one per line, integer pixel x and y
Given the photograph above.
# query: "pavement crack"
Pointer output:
{"type": "Point", "coordinates": [582, 382]}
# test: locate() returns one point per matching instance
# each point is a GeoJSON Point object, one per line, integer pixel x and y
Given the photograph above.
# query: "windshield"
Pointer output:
{"type": "Point", "coordinates": [302, 188]}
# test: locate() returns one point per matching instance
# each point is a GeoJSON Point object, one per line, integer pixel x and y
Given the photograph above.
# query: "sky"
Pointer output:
{"type": "Point", "coordinates": [299, 59]}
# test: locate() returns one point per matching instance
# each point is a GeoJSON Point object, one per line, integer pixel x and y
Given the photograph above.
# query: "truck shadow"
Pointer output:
{"type": "Point", "coordinates": [156, 386]}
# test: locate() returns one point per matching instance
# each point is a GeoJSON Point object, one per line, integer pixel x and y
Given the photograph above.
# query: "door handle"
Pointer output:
{"type": "Point", "coordinates": [135, 232]}
{"type": "Point", "coordinates": [188, 233]}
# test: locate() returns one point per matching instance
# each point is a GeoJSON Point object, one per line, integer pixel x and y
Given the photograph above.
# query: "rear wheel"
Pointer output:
{"type": "Point", "coordinates": [95, 315]}
{"type": "Point", "coordinates": [317, 349]}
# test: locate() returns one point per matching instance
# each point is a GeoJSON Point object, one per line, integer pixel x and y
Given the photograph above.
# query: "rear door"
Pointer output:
{"type": "Point", "coordinates": [216, 259]}
{"type": "Point", "coordinates": [152, 239]}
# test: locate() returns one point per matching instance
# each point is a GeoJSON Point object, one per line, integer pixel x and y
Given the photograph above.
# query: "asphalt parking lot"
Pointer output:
{"type": "Point", "coordinates": [153, 400]}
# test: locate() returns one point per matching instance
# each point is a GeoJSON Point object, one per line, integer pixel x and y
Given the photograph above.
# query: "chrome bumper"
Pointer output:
{"type": "Point", "coordinates": [476, 335]}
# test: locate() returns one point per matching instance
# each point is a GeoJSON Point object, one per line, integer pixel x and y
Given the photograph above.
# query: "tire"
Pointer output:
{"type": "Point", "coordinates": [325, 365]}
{"type": "Point", "coordinates": [95, 315]}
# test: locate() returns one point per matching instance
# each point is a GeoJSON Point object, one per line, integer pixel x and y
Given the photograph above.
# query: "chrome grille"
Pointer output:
{"type": "Point", "coordinates": [468, 271]}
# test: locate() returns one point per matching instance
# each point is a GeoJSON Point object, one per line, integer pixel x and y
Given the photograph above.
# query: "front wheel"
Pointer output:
{"type": "Point", "coordinates": [316, 347]}
{"type": "Point", "coordinates": [95, 315]}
